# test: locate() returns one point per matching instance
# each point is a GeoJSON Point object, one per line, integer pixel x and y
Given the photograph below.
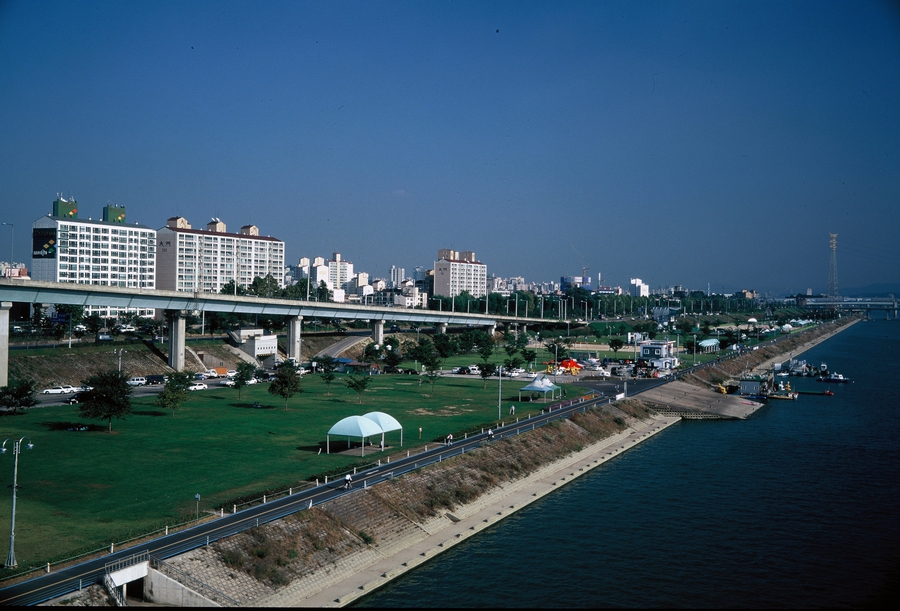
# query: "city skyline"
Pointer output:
{"type": "Point", "coordinates": [701, 144]}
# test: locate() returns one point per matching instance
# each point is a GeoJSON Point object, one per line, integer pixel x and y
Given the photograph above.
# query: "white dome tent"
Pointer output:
{"type": "Point", "coordinates": [387, 423]}
{"type": "Point", "coordinates": [540, 384]}
{"type": "Point", "coordinates": [354, 426]}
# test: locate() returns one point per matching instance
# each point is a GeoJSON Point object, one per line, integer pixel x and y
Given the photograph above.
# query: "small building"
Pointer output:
{"type": "Point", "coordinates": [756, 386]}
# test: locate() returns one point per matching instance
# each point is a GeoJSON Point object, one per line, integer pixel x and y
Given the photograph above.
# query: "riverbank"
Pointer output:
{"type": "Point", "coordinates": [337, 551]}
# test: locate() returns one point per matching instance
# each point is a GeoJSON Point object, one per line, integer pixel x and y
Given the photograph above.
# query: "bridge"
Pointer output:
{"type": "Point", "coordinates": [861, 305]}
{"type": "Point", "coordinates": [178, 304]}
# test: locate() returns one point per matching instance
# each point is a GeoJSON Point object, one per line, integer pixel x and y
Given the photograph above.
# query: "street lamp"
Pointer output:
{"type": "Point", "coordinates": [12, 241]}
{"type": "Point", "coordinates": [197, 498]}
{"type": "Point", "coordinates": [17, 447]}
{"type": "Point", "coordinates": [695, 348]}
{"type": "Point", "coordinates": [120, 351]}
{"type": "Point", "coordinates": [499, 389]}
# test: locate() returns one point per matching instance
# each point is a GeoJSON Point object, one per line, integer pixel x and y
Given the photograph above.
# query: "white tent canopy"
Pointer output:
{"type": "Point", "coordinates": [540, 384]}
{"type": "Point", "coordinates": [387, 423]}
{"type": "Point", "coordinates": [354, 426]}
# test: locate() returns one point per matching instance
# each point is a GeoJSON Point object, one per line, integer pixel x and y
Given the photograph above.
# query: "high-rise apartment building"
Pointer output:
{"type": "Point", "coordinates": [340, 272]}
{"type": "Point", "coordinates": [639, 289]}
{"type": "Point", "coordinates": [206, 260]}
{"type": "Point", "coordinates": [456, 272]}
{"type": "Point", "coordinates": [398, 275]}
{"type": "Point", "coordinates": [106, 252]}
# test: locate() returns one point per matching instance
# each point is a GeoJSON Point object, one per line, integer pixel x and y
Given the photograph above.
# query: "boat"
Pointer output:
{"type": "Point", "coordinates": [784, 392]}
{"type": "Point", "coordinates": [835, 378]}
{"type": "Point", "coordinates": [830, 393]}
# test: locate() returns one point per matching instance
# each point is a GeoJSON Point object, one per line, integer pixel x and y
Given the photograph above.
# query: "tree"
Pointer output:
{"type": "Point", "coordinates": [286, 383]}
{"type": "Point", "coordinates": [615, 344]}
{"type": "Point", "coordinates": [175, 391]}
{"type": "Point", "coordinates": [109, 396]}
{"type": "Point", "coordinates": [19, 394]}
{"type": "Point", "coordinates": [486, 370]}
{"type": "Point", "coordinates": [326, 364]}
{"type": "Point", "coordinates": [445, 345]}
{"type": "Point", "coordinates": [392, 357]}
{"type": "Point", "coordinates": [358, 384]}
{"type": "Point", "coordinates": [431, 360]}
{"type": "Point", "coordinates": [245, 371]}
{"type": "Point", "coordinates": [529, 355]}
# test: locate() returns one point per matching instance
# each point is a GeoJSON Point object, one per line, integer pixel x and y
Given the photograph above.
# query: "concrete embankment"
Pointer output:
{"type": "Point", "coordinates": [345, 548]}
{"type": "Point", "coordinates": [345, 585]}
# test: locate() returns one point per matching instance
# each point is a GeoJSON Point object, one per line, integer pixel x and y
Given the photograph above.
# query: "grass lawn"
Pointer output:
{"type": "Point", "coordinates": [84, 489]}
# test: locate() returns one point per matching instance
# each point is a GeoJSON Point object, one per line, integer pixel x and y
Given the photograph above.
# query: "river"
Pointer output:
{"type": "Point", "coordinates": [796, 506]}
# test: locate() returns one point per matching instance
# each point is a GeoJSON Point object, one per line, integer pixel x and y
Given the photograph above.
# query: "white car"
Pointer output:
{"type": "Point", "coordinates": [197, 386]}
{"type": "Point", "coordinates": [211, 373]}
{"type": "Point", "coordinates": [59, 390]}
{"type": "Point", "coordinates": [231, 373]}
{"type": "Point", "coordinates": [227, 382]}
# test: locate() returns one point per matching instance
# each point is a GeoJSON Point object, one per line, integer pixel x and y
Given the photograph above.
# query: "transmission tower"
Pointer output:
{"type": "Point", "coordinates": [832, 272]}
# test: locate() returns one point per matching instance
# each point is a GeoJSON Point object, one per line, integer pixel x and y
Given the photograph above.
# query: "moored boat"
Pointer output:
{"type": "Point", "coordinates": [837, 378]}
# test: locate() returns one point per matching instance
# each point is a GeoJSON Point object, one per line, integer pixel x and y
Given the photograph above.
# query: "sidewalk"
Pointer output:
{"type": "Point", "coordinates": [366, 571]}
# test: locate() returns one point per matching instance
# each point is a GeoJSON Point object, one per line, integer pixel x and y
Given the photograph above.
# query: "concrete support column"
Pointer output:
{"type": "Point", "coordinates": [294, 346]}
{"type": "Point", "coordinates": [4, 342]}
{"type": "Point", "coordinates": [491, 329]}
{"type": "Point", "coordinates": [378, 331]}
{"type": "Point", "coordinates": [440, 327]}
{"type": "Point", "coordinates": [176, 339]}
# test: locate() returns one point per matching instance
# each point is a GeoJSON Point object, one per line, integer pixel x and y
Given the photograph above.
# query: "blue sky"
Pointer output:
{"type": "Point", "coordinates": [687, 143]}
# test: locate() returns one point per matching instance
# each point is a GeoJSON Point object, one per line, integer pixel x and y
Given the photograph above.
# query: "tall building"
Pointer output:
{"type": "Point", "coordinates": [106, 252]}
{"type": "Point", "coordinates": [206, 260]}
{"type": "Point", "coordinates": [398, 275]}
{"type": "Point", "coordinates": [639, 289]}
{"type": "Point", "coordinates": [456, 272]}
{"type": "Point", "coordinates": [340, 272]}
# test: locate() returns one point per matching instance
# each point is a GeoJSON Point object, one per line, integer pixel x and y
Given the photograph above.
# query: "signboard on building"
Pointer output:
{"type": "Point", "coordinates": [43, 243]}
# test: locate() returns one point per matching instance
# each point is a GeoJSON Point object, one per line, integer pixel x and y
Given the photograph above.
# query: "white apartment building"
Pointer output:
{"type": "Point", "coordinates": [105, 252]}
{"type": "Point", "coordinates": [456, 272]}
{"type": "Point", "coordinates": [204, 261]}
{"type": "Point", "coordinates": [639, 289]}
{"type": "Point", "coordinates": [340, 272]}
{"type": "Point", "coordinates": [398, 275]}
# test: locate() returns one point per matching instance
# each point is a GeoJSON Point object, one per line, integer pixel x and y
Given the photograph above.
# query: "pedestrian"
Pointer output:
{"type": "Point", "coordinates": [490, 434]}
{"type": "Point", "coordinates": [348, 482]}
{"type": "Point", "coordinates": [512, 410]}
{"type": "Point", "coordinates": [449, 439]}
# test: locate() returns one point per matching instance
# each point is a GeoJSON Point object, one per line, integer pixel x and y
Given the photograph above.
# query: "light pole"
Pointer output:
{"type": "Point", "coordinates": [695, 348]}
{"type": "Point", "coordinates": [120, 351]}
{"type": "Point", "coordinates": [197, 498]}
{"type": "Point", "coordinates": [12, 241]}
{"type": "Point", "coordinates": [499, 389]}
{"type": "Point", "coordinates": [17, 447]}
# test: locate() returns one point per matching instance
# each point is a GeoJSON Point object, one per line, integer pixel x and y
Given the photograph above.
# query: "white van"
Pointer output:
{"type": "Point", "coordinates": [140, 381]}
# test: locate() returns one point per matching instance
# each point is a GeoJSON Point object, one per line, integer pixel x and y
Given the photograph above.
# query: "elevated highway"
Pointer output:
{"type": "Point", "coordinates": [178, 304]}
{"type": "Point", "coordinates": [854, 305]}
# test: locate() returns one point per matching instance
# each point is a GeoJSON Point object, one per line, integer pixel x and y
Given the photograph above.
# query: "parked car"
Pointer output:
{"type": "Point", "coordinates": [474, 370]}
{"type": "Point", "coordinates": [197, 386]}
{"type": "Point", "coordinates": [211, 373]}
{"type": "Point", "coordinates": [227, 382]}
{"type": "Point", "coordinates": [127, 329]}
{"type": "Point", "coordinates": [59, 390]}
{"type": "Point", "coordinates": [76, 398]}
{"type": "Point", "coordinates": [138, 381]}
{"type": "Point", "coordinates": [200, 376]}
{"type": "Point", "coordinates": [79, 328]}
{"type": "Point", "coordinates": [156, 379]}
{"type": "Point", "coordinates": [231, 373]}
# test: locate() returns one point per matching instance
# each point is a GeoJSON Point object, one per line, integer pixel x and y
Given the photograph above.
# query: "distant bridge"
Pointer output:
{"type": "Point", "coordinates": [854, 304]}
{"type": "Point", "coordinates": [178, 304]}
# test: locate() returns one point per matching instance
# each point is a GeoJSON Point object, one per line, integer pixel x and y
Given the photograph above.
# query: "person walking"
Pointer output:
{"type": "Point", "coordinates": [449, 439]}
{"type": "Point", "coordinates": [348, 482]}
